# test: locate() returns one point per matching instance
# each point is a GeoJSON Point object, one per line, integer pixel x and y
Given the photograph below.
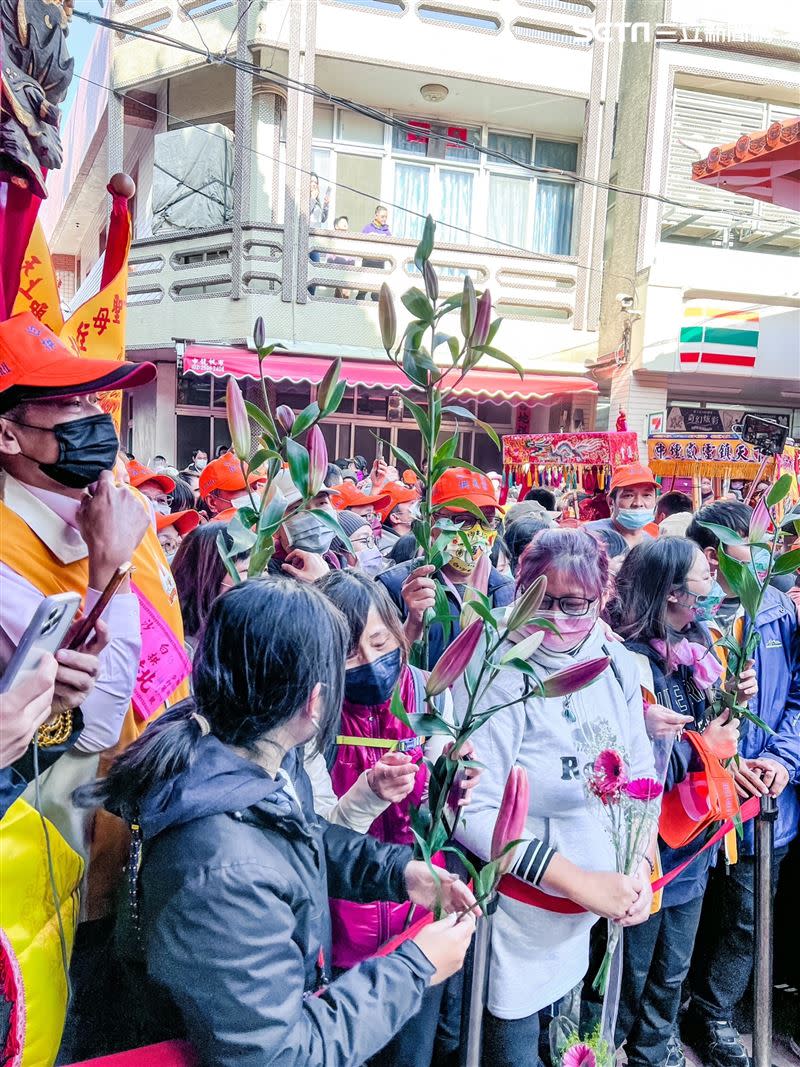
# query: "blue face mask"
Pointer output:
{"type": "Point", "coordinates": [373, 683]}
{"type": "Point", "coordinates": [634, 518]}
{"type": "Point", "coordinates": [759, 563]}
{"type": "Point", "coordinates": [706, 607]}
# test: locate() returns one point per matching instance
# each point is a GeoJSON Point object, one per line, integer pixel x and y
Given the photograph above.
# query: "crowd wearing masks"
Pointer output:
{"type": "Point", "coordinates": [209, 806]}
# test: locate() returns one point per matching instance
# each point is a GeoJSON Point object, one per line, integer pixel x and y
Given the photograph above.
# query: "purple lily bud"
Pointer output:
{"type": "Point", "coordinates": [525, 607]}
{"type": "Point", "coordinates": [455, 659]}
{"type": "Point", "coordinates": [431, 281]}
{"type": "Point", "coordinates": [238, 423]}
{"type": "Point", "coordinates": [574, 678]}
{"type": "Point", "coordinates": [483, 319]}
{"type": "Point", "coordinates": [317, 460]}
{"type": "Point", "coordinates": [510, 824]}
{"type": "Point", "coordinates": [259, 333]}
{"type": "Point", "coordinates": [760, 522]}
{"type": "Point", "coordinates": [387, 319]}
{"type": "Point", "coordinates": [469, 307]}
{"type": "Point", "coordinates": [285, 417]}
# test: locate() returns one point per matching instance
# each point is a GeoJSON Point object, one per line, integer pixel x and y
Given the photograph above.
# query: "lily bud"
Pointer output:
{"type": "Point", "coordinates": [574, 678]}
{"type": "Point", "coordinates": [524, 609]}
{"type": "Point", "coordinates": [317, 460]}
{"type": "Point", "coordinates": [483, 319]}
{"type": "Point", "coordinates": [259, 333]}
{"type": "Point", "coordinates": [469, 305]}
{"type": "Point", "coordinates": [387, 318]}
{"type": "Point", "coordinates": [510, 824]}
{"type": "Point", "coordinates": [455, 659]}
{"type": "Point", "coordinates": [285, 417]}
{"type": "Point", "coordinates": [760, 522]}
{"type": "Point", "coordinates": [238, 423]}
{"type": "Point", "coordinates": [431, 281]}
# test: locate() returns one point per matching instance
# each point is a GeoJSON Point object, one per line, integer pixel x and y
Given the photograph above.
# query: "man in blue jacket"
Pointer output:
{"type": "Point", "coordinates": [413, 587]}
{"type": "Point", "coordinates": [770, 763]}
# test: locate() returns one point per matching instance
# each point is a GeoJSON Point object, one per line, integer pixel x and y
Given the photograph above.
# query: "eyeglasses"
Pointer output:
{"type": "Point", "coordinates": [363, 541]}
{"type": "Point", "coordinates": [466, 518]}
{"type": "Point", "coordinates": [568, 605]}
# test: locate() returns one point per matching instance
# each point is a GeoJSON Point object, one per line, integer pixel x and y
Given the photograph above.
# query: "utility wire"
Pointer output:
{"type": "Point", "coordinates": [285, 82]}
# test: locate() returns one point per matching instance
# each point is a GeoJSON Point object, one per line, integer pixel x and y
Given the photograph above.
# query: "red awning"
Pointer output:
{"type": "Point", "coordinates": [281, 367]}
{"type": "Point", "coordinates": [763, 165]}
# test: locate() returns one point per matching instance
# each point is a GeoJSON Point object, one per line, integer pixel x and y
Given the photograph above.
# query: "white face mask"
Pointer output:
{"type": "Point", "coordinates": [161, 509]}
{"type": "Point", "coordinates": [200, 464]}
{"type": "Point", "coordinates": [242, 501]}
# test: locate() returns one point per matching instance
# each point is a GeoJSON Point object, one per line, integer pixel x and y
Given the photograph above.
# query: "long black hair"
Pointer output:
{"type": "Point", "coordinates": [651, 571]}
{"type": "Point", "coordinates": [354, 594]}
{"type": "Point", "coordinates": [266, 646]}
{"type": "Point", "coordinates": [181, 497]}
{"type": "Point", "coordinates": [198, 571]}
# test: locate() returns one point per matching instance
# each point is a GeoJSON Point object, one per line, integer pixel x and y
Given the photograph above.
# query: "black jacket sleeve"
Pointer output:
{"type": "Point", "coordinates": [223, 947]}
{"type": "Point", "coordinates": [362, 869]}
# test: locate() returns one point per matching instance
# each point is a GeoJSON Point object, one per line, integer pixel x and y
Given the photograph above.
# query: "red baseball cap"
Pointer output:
{"type": "Point", "coordinates": [632, 474]}
{"type": "Point", "coordinates": [398, 494]}
{"type": "Point", "coordinates": [224, 473]}
{"type": "Point", "coordinates": [183, 521]}
{"type": "Point", "coordinates": [34, 362]}
{"type": "Point", "coordinates": [461, 483]}
{"type": "Point", "coordinates": [140, 475]}
{"type": "Point", "coordinates": [347, 495]}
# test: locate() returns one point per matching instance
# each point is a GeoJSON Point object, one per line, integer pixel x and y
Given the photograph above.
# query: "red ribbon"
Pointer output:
{"type": "Point", "coordinates": [516, 889]}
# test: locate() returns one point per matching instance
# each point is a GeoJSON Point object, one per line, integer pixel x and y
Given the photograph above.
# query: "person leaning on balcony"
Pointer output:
{"type": "Point", "coordinates": [342, 224]}
{"type": "Point", "coordinates": [413, 588]}
{"type": "Point", "coordinates": [378, 227]}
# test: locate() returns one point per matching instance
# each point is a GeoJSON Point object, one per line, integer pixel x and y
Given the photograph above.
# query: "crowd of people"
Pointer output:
{"type": "Point", "coordinates": [210, 801]}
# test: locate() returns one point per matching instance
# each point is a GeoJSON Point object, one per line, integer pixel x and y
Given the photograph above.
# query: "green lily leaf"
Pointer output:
{"type": "Point", "coordinates": [307, 417]}
{"type": "Point", "coordinates": [420, 417]}
{"type": "Point", "coordinates": [397, 708]}
{"type": "Point", "coordinates": [418, 305]}
{"type": "Point", "coordinates": [406, 458]}
{"type": "Point", "coordinates": [779, 490]}
{"type": "Point", "coordinates": [297, 457]}
{"type": "Point", "coordinates": [723, 533]}
{"type": "Point", "coordinates": [263, 420]}
{"type": "Point", "coordinates": [425, 246]}
{"type": "Point", "coordinates": [503, 357]}
{"type": "Point", "coordinates": [425, 725]}
{"type": "Point", "coordinates": [240, 531]}
{"type": "Point", "coordinates": [741, 580]}
{"type": "Point", "coordinates": [788, 563]}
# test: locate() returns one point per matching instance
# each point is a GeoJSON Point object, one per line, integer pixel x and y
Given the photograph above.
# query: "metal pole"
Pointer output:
{"type": "Point", "coordinates": [762, 969]}
{"type": "Point", "coordinates": [479, 983]}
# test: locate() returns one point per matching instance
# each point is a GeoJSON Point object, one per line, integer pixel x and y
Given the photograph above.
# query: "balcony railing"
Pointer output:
{"type": "Point", "coordinates": [181, 286]}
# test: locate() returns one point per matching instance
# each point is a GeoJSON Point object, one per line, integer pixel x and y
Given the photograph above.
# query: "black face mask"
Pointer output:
{"type": "Point", "coordinates": [373, 683]}
{"type": "Point", "coordinates": [86, 448]}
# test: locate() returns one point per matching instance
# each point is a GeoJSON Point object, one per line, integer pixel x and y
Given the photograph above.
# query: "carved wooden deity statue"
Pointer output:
{"type": "Point", "coordinates": [36, 72]}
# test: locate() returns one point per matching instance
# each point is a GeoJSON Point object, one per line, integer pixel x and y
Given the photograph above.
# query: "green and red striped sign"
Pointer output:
{"type": "Point", "coordinates": [717, 338]}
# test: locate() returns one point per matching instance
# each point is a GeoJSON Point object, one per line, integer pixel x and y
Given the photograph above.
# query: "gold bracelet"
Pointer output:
{"type": "Point", "coordinates": [57, 731]}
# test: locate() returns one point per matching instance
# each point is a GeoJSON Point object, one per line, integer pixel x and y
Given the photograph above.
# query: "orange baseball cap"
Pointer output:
{"type": "Point", "coordinates": [183, 521]}
{"type": "Point", "coordinates": [409, 477]}
{"type": "Point", "coordinates": [224, 473]}
{"type": "Point", "coordinates": [398, 494]}
{"type": "Point", "coordinates": [347, 495]}
{"type": "Point", "coordinates": [632, 474]}
{"type": "Point", "coordinates": [466, 484]}
{"type": "Point", "coordinates": [139, 475]}
{"type": "Point", "coordinates": [34, 362]}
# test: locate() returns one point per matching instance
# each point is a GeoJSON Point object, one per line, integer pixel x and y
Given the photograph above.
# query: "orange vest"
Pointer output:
{"type": "Point", "coordinates": [29, 557]}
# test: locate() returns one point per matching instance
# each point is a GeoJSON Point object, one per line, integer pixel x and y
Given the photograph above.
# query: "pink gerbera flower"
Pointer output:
{"type": "Point", "coordinates": [643, 789]}
{"type": "Point", "coordinates": [579, 1056]}
{"type": "Point", "coordinates": [608, 776]}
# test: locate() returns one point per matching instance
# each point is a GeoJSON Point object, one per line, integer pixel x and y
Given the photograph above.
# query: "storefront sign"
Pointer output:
{"type": "Point", "coordinates": [712, 420]}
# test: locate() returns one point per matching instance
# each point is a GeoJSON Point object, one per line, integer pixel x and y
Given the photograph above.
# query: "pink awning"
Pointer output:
{"type": "Point", "coordinates": [281, 367]}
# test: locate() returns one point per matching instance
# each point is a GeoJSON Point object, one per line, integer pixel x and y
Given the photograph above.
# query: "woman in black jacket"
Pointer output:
{"type": "Point", "coordinates": [230, 907]}
{"type": "Point", "coordinates": [664, 591]}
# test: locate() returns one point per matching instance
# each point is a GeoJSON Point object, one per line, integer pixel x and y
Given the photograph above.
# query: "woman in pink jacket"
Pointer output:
{"type": "Point", "coordinates": [370, 735]}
